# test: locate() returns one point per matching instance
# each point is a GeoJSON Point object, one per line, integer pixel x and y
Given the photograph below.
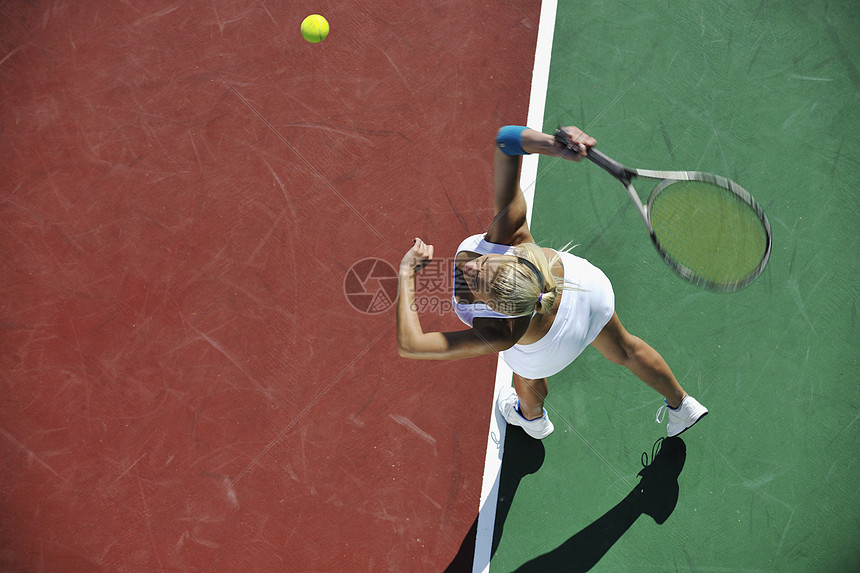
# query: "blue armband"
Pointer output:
{"type": "Point", "coordinates": [510, 139]}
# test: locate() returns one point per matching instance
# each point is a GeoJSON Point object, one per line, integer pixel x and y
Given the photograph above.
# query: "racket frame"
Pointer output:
{"type": "Point", "coordinates": [625, 176]}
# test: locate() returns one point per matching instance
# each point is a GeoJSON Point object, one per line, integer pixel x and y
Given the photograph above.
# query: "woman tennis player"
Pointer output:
{"type": "Point", "coordinates": [538, 307]}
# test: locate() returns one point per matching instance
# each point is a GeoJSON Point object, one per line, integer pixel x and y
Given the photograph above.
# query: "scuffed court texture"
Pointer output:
{"type": "Point", "coordinates": [186, 386]}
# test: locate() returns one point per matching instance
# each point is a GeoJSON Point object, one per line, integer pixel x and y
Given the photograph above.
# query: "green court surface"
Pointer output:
{"type": "Point", "coordinates": [767, 94]}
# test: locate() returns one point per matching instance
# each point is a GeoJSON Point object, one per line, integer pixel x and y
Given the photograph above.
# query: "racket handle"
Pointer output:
{"type": "Point", "coordinates": [613, 167]}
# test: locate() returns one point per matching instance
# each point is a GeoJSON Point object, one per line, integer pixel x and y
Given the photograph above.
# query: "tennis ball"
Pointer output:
{"type": "Point", "coordinates": [314, 28]}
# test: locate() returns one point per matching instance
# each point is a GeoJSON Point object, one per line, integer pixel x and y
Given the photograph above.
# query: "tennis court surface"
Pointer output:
{"type": "Point", "coordinates": [200, 218]}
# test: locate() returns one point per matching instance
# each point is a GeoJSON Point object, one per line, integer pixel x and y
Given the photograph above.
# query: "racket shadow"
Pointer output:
{"type": "Point", "coordinates": [655, 495]}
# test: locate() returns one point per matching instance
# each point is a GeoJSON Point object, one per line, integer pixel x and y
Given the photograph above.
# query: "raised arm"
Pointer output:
{"type": "Point", "coordinates": [510, 224]}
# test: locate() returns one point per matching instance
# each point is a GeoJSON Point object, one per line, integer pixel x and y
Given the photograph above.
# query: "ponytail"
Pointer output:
{"type": "Point", "coordinates": [527, 284]}
{"type": "Point", "coordinates": [545, 298]}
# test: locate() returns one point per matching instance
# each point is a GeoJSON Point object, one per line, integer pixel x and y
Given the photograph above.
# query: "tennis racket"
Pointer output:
{"type": "Point", "coordinates": [707, 228]}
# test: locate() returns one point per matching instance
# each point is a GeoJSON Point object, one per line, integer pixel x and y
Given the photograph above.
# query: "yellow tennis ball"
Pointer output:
{"type": "Point", "coordinates": [314, 28]}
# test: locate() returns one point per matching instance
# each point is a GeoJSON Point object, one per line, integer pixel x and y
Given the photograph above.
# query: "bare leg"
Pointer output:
{"type": "Point", "coordinates": [532, 394]}
{"type": "Point", "coordinates": [621, 347]}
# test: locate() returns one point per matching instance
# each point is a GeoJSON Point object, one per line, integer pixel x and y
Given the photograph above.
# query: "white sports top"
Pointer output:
{"type": "Point", "coordinates": [581, 315]}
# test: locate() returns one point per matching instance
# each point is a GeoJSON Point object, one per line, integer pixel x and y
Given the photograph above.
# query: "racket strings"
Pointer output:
{"type": "Point", "coordinates": [709, 233]}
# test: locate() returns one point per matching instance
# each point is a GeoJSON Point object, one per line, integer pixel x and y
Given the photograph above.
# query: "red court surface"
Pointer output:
{"type": "Point", "coordinates": [185, 385]}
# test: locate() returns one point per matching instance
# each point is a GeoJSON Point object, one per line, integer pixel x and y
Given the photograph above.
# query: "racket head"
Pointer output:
{"type": "Point", "coordinates": [709, 230]}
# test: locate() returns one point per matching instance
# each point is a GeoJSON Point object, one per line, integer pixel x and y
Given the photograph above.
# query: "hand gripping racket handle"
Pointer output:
{"type": "Point", "coordinates": [613, 167]}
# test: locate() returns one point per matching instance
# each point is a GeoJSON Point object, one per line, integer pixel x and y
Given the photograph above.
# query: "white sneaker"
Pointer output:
{"type": "Point", "coordinates": [509, 406]}
{"type": "Point", "coordinates": [688, 413]}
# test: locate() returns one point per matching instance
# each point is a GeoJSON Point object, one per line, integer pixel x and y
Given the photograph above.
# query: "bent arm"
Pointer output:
{"type": "Point", "coordinates": [413, 342]}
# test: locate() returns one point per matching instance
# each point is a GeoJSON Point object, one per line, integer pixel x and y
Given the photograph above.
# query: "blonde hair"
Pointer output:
{"type": "Point", "coordinates": [526, 284]}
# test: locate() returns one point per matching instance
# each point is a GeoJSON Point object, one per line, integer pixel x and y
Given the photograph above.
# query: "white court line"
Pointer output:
{"type": "Point", "coordinates": [528, 175]}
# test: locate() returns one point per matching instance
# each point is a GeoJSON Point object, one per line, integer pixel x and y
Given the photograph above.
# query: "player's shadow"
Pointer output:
{"type": "Point", "coordinates": [523, 456]}
{"type": "Point", "coordinates": [655, 495]}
